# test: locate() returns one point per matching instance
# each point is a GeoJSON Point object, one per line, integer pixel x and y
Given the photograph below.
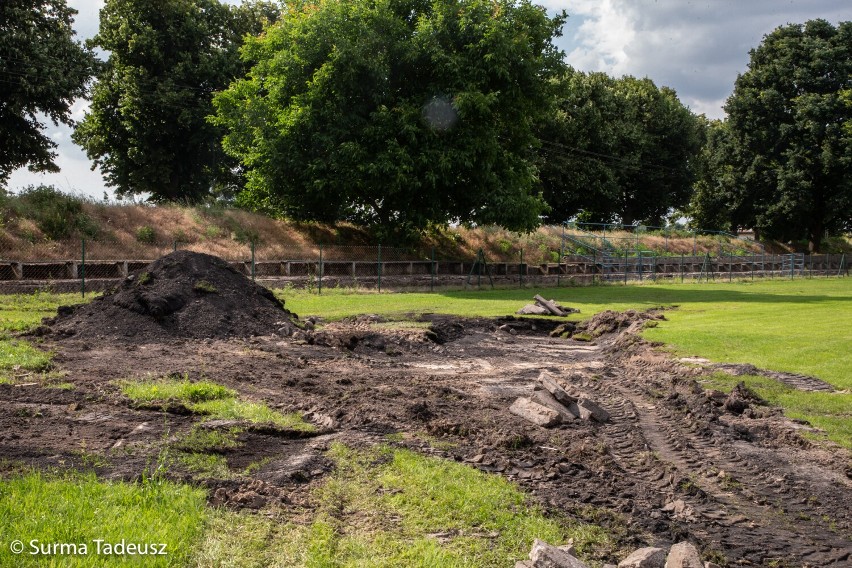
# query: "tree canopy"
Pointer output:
{"type": "Point", "coordinates": [147, 128]}
{"type": "Point", "coordinates": [785, 158]}
{"type": "Point", "coordinates": [42, 71]}
{"type": "Point", "coordinates": [617, 149]}
{"type": "Point", "coordinates": [395, 112]}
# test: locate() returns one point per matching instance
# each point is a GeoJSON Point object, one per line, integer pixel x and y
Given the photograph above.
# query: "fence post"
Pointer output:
{"type": "Point", "coordinates": [521, 271]}
{"type": "Point", "coordinates": [694, 250]}
{"type": "Point", "coordinates": [83, 268]}
{"type": "Point", "coordinates": [752, 267]}
{"type": "Point", "coordinates": [625, 267]}
{"type": "Point", "coordinates": [639, 263]}
{"type": "Point", "coordinates": [842, 264]}
{"type": "Point", "coordinates": [319, 283]}
{"type": "Point", "coordinates": [174, 245]}
{"type": "Point", "coordinates": [252, 262]}
{"type": "Point", "coordinates": [432, 281]}
{"type": "Point", "coordinates": [792, 266]}
{"type": "Point", "coordinates": [681, 268]}
{"type": "Point", "coordinates": [379, 266]}
{"type": "Point", "coordinates": [594, 265]}
{"type": "Point", "coordinates": [731, 268]}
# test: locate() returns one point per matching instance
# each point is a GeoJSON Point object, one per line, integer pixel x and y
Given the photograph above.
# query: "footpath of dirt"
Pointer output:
{"type": "Point", "coordinates": [674, 462]}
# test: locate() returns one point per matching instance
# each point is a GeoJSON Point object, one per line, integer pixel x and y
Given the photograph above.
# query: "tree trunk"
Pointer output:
{"type": "Point", "coordinates": [815, 231]}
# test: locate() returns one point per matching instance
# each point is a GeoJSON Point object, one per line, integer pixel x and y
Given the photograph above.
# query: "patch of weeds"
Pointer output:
{"type": "Point", "coordinates": [18, 357]}
{"type": "Point", "coordinates": [56, 214]}
{"type": "Point", "coordinates": [206, 465]}
{"type": "Point", "coordinates": [235, 409]}
{"type": "Point", "coordinates": [173, 388]}
{"type": "Point", "coordinates": [379, 508]}
{"type": "Point", "coordinates": [205, 287]}
{"type": "Point", "coordinates": [582, 336]}
{"type": "Point", "coordinates": [89, 459]}
{"type": "Point", "coordinates": [254, 467]}
{"type": "Point", "coordinates": [144, 278]}
{"type": "Point", "coordinates": [208, 398]}
{"type": "Point", "coordinates": [60, 386]}
{"type": "Point", "coordinates": [395, 438]}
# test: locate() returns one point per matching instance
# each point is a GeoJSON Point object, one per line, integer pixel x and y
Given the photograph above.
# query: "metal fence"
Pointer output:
{"type": "Point", "coordinates": [95, 265]}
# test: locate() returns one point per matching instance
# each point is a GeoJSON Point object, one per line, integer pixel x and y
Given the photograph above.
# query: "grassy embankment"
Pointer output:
{"type": "Point", "coordinates": [379, 507]}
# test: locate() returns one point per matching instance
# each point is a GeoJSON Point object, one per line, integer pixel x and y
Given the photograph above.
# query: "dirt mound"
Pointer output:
{"type": "Point", "coordinates": [182, 295]}
{"type": "Point", "coordinates": [609, 321]}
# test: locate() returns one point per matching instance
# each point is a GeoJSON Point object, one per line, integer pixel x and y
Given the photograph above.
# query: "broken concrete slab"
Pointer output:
{"type": "Point", "coordinates": [544, 555]}
{"type": "Point", "coordinates": [533, 310]}
{"type": "Point", "coordinates": [579, 411]}
{"type": "Point", "coordinates": [546, 399]}
{"type": "Point", "coordinates": [648, 557]}
{"type": "Point", "coordinates": [594, 409]}
{"type": "Point", "coordinates": [549, 305]}
{"type": "Point", "coordinates": [549, 383]}
{"type": "Point", "coordinates": [684, 555]}
{"type": "Point", "coordinates": [534, 412]}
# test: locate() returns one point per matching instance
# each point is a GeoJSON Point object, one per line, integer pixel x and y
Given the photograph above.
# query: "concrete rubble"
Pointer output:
{"type": "Point", "coordinates": [680, 555]}
{"type": "Point", "coordinates": [544, 307]}
{"type": "Point", "coordinates": [551, 405]}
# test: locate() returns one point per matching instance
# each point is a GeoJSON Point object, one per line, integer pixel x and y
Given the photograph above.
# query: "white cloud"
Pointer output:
{"type": "Point", "coordinates": [695, 47]}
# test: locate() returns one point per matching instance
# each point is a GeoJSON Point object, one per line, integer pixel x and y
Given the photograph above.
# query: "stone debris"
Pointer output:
{"type": "Point", "coordinates": [551, 396]}
{"type": "Point", "coordinates": [680, 555]}
{"type": "Point", "coordinates": [648, 557]}
{"type": "Point", "coordinates": [549, 383]}
{"type": "Point", "coordinates": [544, 307]}
{"type": "Point", "coordinates": [594, 409]}
{"type": "Point", "coordinates": [679, 510]}
{"type": "Point", "coordinates": [684, 555]}
{"type": "Point", "coordinates": [535, 412]}
{"type": "Point", "coordinates": [544, 398]}
{"type": "Point", "coordinates": [533, 310]}
{"type": "Point", "coordinates": [544, 555]}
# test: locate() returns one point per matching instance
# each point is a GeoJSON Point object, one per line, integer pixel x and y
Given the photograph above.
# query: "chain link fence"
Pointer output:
{"type": "Point", "coordinates": [90, 265]}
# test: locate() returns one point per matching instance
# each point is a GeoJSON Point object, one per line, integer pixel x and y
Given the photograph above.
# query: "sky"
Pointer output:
{"type": "Point", "coordinates": [695, 47]}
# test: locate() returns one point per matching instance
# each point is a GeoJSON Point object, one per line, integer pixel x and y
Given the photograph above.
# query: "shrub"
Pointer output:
{"type": "Point", "coordinates": [145, 235]}
{"type": "Point", "coordinates": [56, 214]}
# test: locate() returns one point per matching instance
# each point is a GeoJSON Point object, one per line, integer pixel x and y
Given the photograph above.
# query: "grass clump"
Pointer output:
{"type": "Point", "coordinates": [393, 507]}
{"type": "Point", "coordinates": [211, 399]}
{"type": "Point", "coordinates": [205, 287]}
{"type": "Point", "coordinates": [78, 508]}
{"type": "Point", "coordinates": [173, 388]}
{"type": "Point", "coordinates": [828, 411]}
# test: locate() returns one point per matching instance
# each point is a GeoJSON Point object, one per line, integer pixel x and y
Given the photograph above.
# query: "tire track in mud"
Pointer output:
{"type": "Point", "coordinates": [750, 514]}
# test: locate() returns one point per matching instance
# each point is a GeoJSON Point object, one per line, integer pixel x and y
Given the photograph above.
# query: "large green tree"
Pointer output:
{"type": "Point", "coordinates": [617, 149]}
{"type": "Point", "coordinates": [42, 71]}
{"type": "Point", "coordinates": [147, 128]}
{"type": "Point", "coordinates": [395, 113]}
{"type": "Point", "coordinates": [790, 143]}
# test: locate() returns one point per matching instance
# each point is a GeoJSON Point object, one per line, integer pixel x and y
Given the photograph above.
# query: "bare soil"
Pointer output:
{"type": "Point", "coordinates": [674, 462]}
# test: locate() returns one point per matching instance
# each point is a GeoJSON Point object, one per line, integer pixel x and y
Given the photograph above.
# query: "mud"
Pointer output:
{"type": "Point", "coordinates": [675, 462]}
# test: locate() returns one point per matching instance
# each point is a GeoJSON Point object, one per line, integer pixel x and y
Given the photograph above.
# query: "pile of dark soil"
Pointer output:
{"type": "Point", "coordinates": [181, 295]}
{"type": "Point", "coordinates": [610, 321]}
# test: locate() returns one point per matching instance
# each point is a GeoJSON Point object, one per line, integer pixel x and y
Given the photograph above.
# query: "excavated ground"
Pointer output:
{"type": "Point", "coordinates": [673, 463]}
